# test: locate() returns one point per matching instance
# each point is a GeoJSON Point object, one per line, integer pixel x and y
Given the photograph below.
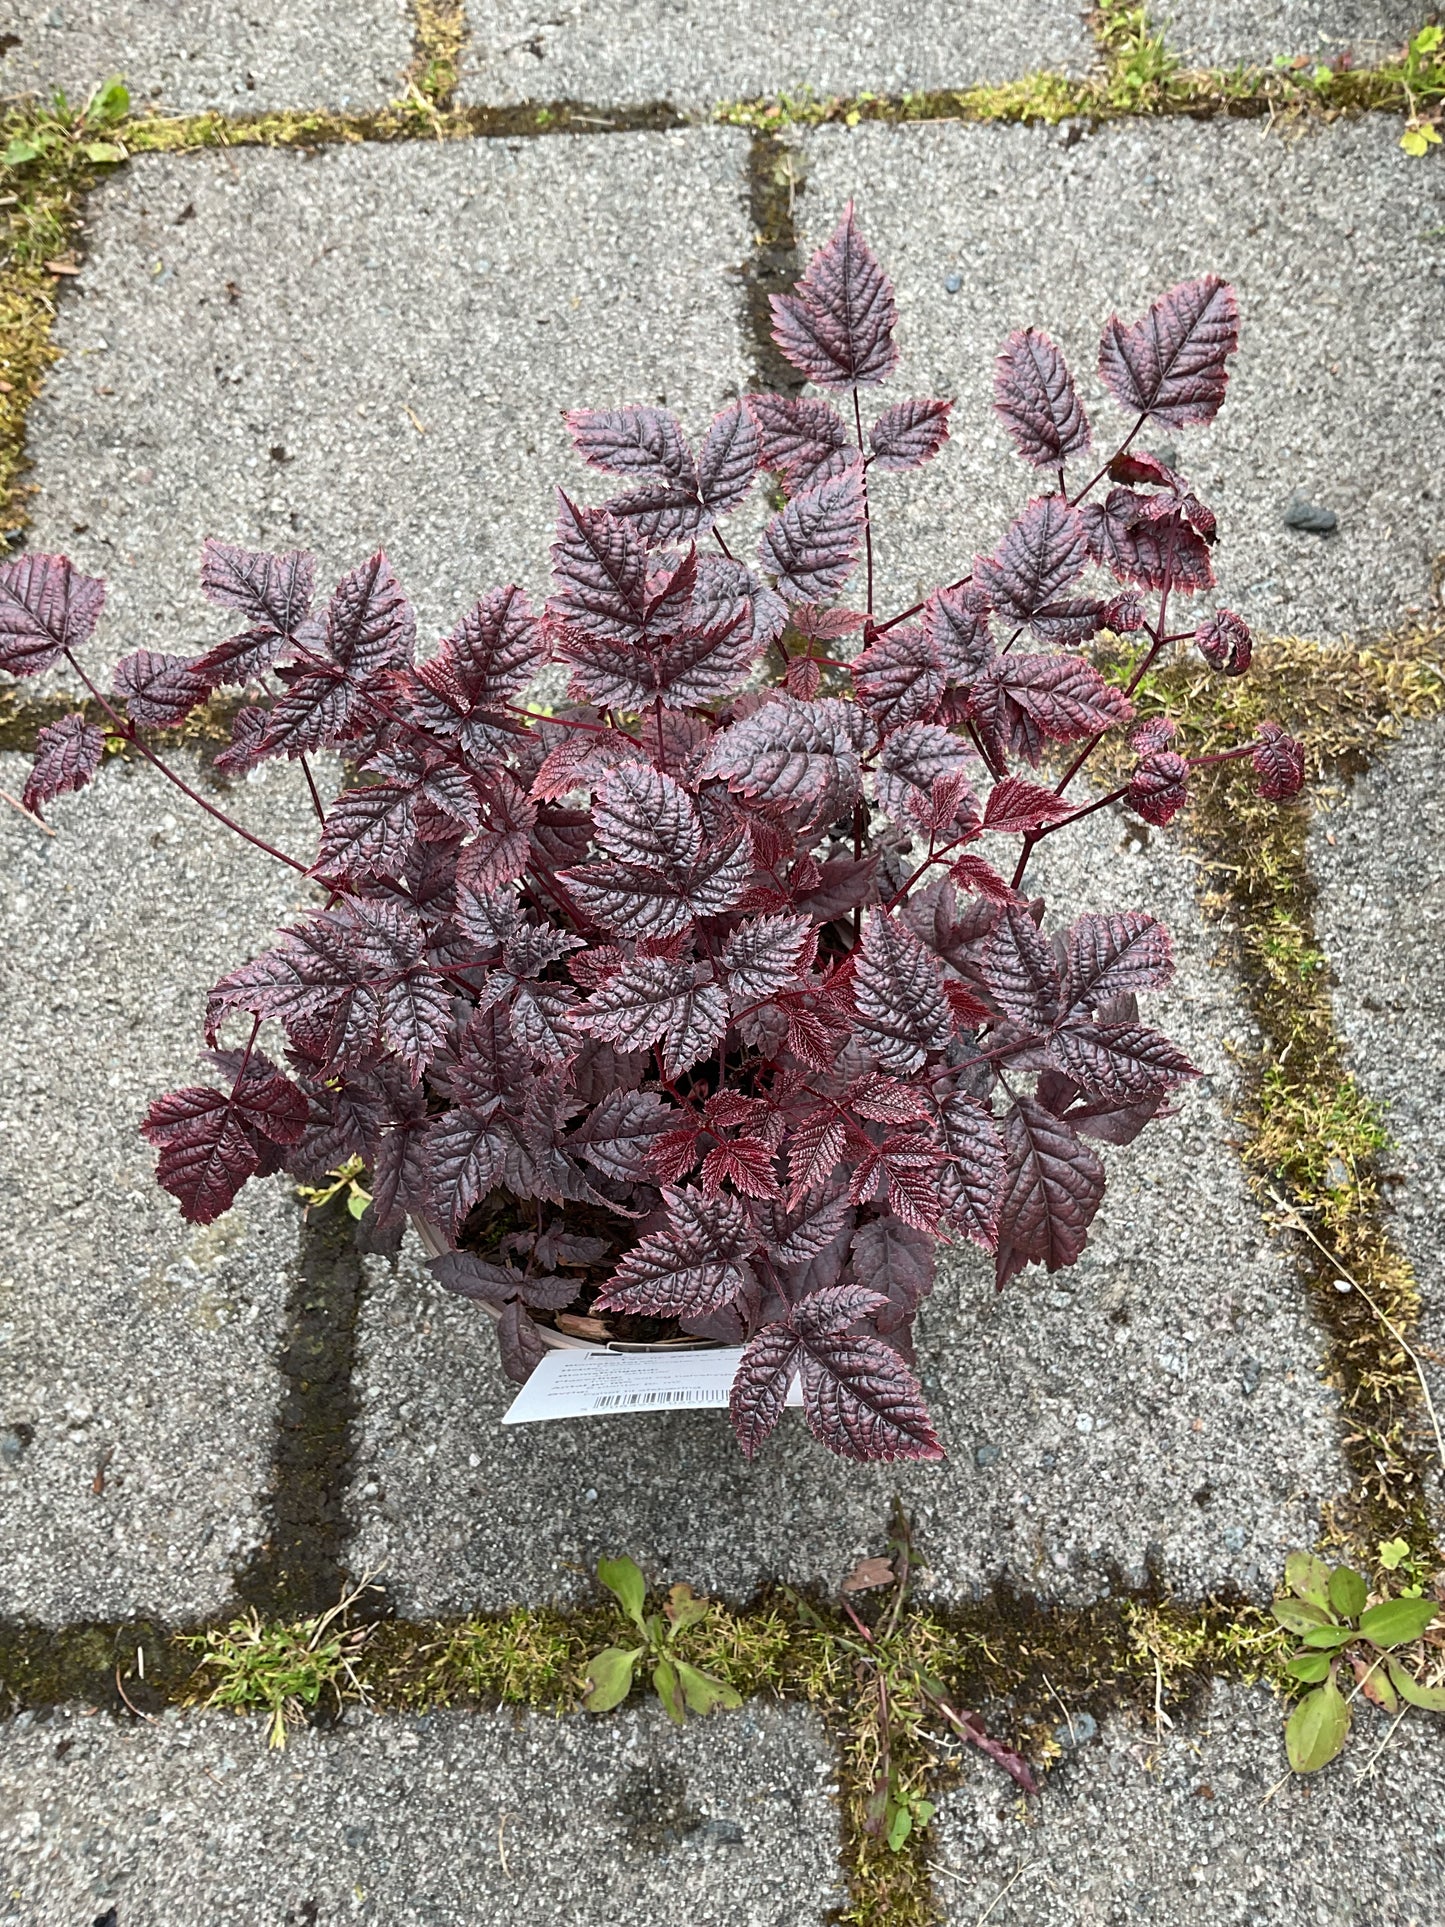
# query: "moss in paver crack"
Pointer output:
{"type": "Point", "coordinates": [775, 179]}
{"type": "Point", "coordinates": [1313, 1136]}
{"type": "Point", "coordinates": [301, 1566]}
{"type": "Point", "coordinates": [439, 34]}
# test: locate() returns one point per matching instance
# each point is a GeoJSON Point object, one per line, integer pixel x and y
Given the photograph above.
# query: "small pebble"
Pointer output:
{"type": "Point", "coordinates": [1250, 1376]}
{"type": "Point", "coordinates": [1233, 1537]}
{"type": "Point", "coordinates": [952, 283]}
{"type": "Point", "coordinates": [1313, 521]}
{"type": "Point", "coordinates": [12, 1443]}
{"type": "Point", "coordinates": [987, 1454]}
{"type": "Point", "coordinates": [590, 1494]}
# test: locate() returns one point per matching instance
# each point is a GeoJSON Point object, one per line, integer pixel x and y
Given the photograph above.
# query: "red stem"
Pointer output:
{"type": "Point", "coordinates": [127, 729]}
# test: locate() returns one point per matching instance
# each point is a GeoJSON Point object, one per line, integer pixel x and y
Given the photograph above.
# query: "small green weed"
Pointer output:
{"type": "Point", "coordinates": [345, 1178]}
{"type": "Point", "coordinates": [285, 1671]}
{"type": "Point", "coordinates": [682, 1687]}
{"type": "Point", "coordinates": [1332, 1615]}
{"type": "Point", "coordinates": [47, 131]}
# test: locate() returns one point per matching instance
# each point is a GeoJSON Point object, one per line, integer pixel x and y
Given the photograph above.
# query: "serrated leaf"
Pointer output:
{"type": "Point", "coordinates": [790, 755]}
{"type": "Point", "coordinates": [67, 755]}
{"type": "Point", "coordinates": [1279, 762]}
{"type": "Point", "coordinates": [158, 690]}
{"type": "Point", "coordinates": [902, 1011]}
{"type": "Point", "coordinates": [609, 1678]}
{"type": "Point", "coordinates": [1120, 1060]}
{"type": "Point", "coordinates": [1040, 555]}
{"type": "Point", "coordinates": [728, 460]}
{"type": "Point", "coordinates": [1143, 548]}
{"type": "Point", "coordinates": [861, 1400]}
{"type": "Point", "coordinates": [763, 956]}
{"type": "Point", "coordinates": [1019, 967]}
{"type": "Point", "coordinates": [760, 1386]}
{"type": "Point", "coordinates": [811, 545]}
{"type": "Point", "coordinates": [1016, 805]}
{"type": "Point", "coordinates": [909, 433]}
{"type": "Point", "coordinates": [836, 327]}
{"type": "Point", "coordinates": [640, 442]}
{"type": "Point", "coordinates": [911, 761]}
{"type": "Point", "coordinates": [1053, 1186]}
{"type": "Point", "coordinates": [46, 607]}
{"type": "Point", "coordinates": [206, 1152]}
{"type": "Point", "coordinates": [1034, 393]}
{"type": "Point", "coordinates": [1109, 956]}
{"type": "Point", "coordinates": [691, 1269]}
{"type": "Point", "coordinates": [1171, 364]}
{"type": "Point", "coordinates": [369, 625]}
{"type": "Point", "coordinates": [899, 678]}
{"type": "Point", "coordinates": [465, 1155]}
{"type": "Point", "coordinates": [895, 1260]}
{"type": "Point", "coordinates": [1317, 1729]}
{"type": "Point", "coordinates": [971, 1183]}
{"type": "Point", "coordinates": [618, 1135]}
{"type": "Point", "coordinates": [800, 436]}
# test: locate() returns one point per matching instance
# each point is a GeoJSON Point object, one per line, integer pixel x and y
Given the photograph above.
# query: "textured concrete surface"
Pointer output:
{"type": "Point", "coordinates": [1223, 33]}
{"type": "Point", "coordinates": [137, 1396]}
{"type": "Point", "coordinates": [1378, 859]}
{"type": "Point", "coordinates": [374, 345]}
{"type": "Point", "coordinates": [183, 55]}
{"type": "Point", "coordinates": [1194, 1827]}
{"type": "Point", "coordinates": [441, 1821]}
{"type": "Point", "coordinates": [1336, 242]}
{"type": "Point", "coordinates": [1158, 1405]}
{"type": "Point", "coordinates": [626, 52]}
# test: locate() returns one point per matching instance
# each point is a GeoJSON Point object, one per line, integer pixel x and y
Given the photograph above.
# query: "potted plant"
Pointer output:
{"type": "Point", "coordinates": [701, 1006]}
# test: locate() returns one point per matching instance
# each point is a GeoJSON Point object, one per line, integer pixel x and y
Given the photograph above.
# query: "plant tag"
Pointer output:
{"type": "Point", "coordinates": [599, 1384]}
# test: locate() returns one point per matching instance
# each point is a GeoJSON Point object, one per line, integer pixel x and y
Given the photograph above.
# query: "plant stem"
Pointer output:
{"type": "Point", "coordinates": [127, 729]}
{"type": "Point", "coordinates": [867, 516]}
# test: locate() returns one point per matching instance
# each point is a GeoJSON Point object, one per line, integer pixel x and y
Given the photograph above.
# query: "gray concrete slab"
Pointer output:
{"type": "Point", "coordinates": [137, 1392]}
{"type": "Point", "coordinates": [1378, 859]}
{"type": "Point", "coordinates": [1193, 1825]}
{"type": "Point", "coordinates": [1227, 33]}
{"type": "Point", "coordinates": [373, 346]}
{"type": "Point", "coordinates": [1158, 1405]}
{"type": "Point", "coordinates": [1334, 240]}
{"type": "Point", "coordinates": [628, 52]}
{"type": "Point", "coordinates": [440, 1821]}
{"type": "Point", "coordinates": [185, 55]}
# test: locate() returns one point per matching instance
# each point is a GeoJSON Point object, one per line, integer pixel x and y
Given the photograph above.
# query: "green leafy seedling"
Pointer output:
{"type": "Point", "coordinates": [681, 1687]}
{"type": "Point", "coordinates": [1330, 1612]}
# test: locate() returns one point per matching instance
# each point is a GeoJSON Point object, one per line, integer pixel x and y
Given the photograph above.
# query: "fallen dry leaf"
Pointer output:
{"type": "Point", "coordinates": [867, 1574]}
{"type": "Point", "coordinates": [63, 264]}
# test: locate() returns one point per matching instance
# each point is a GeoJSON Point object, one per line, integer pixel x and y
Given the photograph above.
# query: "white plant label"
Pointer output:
{"type": "Point", "coordinates": [605, 1384]}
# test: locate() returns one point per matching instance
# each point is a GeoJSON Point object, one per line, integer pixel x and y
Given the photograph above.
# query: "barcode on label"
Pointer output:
{"type": "Point", "coordinates": [659, 1395]}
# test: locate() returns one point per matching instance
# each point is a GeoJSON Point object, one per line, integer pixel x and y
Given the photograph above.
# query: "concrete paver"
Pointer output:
{"type": "Point", "coordinates": [1336, 248]}
{"type": "Point", "coordinates": [137, 1390]}
{"type": "Point", "coordinates": [1226, 33]}
{"type": "Point", "coordinates": [437, 1821]}
{"type": "Point", "coordinates": [630, 52]}
{"type": "Point", "coordinates": [373, 346]}
{"type": "Point", "coordinates": [1378, 859]}
{"type": "Point", "coordinates": [1193, 1825]}
{"type": "Point", "coordinates": [186, 55]}
{"type": "Point", "coordinates": [1158, 1405]}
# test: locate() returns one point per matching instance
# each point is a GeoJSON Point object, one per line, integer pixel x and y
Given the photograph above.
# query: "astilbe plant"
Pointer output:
{"type": "Point", "coordinates": [732, 954]}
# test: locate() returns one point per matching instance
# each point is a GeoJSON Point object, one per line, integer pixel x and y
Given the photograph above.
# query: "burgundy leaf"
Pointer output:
{"type": "Point", "coordinates": [206, 1152]}
{"type": "Point", "coordinates": [1053, 1187]}
{"type": "Point", "coordinates": [1019, 968]}
{"type": "Point", "coordinates": [806, 1232]}
{"type": "Point", "coordinates": [800, 436]}
{"type": "Point", "coordinates": [369, 623]}
{"type": "Point", "coordinates": [599, 571]}
{"type": "Point", "coordinates": [67, 755]}
{"type": "Point", "coordinates": [416, 1014]}
{"type": "Point", "coordinates": [498, 852]}
{"type": "Point", "coordinates": [46, 607]}
{"type": "Point", "coordinates": [972, 1181]}
{"type": "Point", "coordinates": [760, 1386]}
{"type": "Point", "coordinates": [909, 433]}
{"type": "Point", "coordinates": [469, 1276]}
{"type": "Point", "coordinates": [1279, 762]}
{"type": "Point", "coordinates": [862, 1402]}
{"type": "Point", "coordinates": [1034, 393]}
{"type": "Point", "coordinates": [902, 1012]}
{"type": "Point", "coordinates": [1171, 364]}
{"type": "Point", "coordinates": [1159, 787]}
{"type": "Point", "coordinates": [1042, 553]}
{"type": "Point", "coordinates": [793, 756]}
{"type": "Point", "coordinates": [815, 1144]}
{"type": "Point", "coordinates": [1108, 956]}
{"type": "Point", "coordinates": [912, 761]}
{"type": "Point", "coordinates": [657, 1000]}
{"type": "Point", "coordinates": [465, 1155]}
{"type": "Point", "coordinates": [694, 1267]}
{"type": "Point", "coordinates": [1020, 701]}
{"type": "Point", "coordinates": [160, 691]}
{"type": "Point", "coordinates": [1122, 1061]}
{"type": "Point", "coordinates": [272, 592]}
{"type": "Point", "coordinates": [247, 746]}
{"type": "Point", "coordinates": [956, 623]}
{"type": "Point", "coordinates": [811, 545]}
{"type": "Point", "coordinates": [764, 956]}
{"type": "Point", "coordinates": [1225, 642]}
{"type": "Point", "coordinates": [1014, 804]}
{"type": "Point", "coordinates": [644, 443]}
{"type": "Point", "coordinates": [836, 327]}
{"type": "Point", "coordinates": [899, 678]}
{"type": "Point", "coordinates": [368, 832]}
{"type": "Point", "coordinates": [520, 1343]}
{"type": "Point", "coordinates": [895, 1260]}
{"type": "Point", "coordinates": [492, 654]}
{"type": "Point", "coordinates": [1146, 549]}
{"type": "Point", "coordinates": [728, 459]}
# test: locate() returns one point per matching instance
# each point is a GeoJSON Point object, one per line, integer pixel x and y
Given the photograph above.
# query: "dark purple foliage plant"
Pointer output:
{"type": "Point", "coordinates": [723, 975]}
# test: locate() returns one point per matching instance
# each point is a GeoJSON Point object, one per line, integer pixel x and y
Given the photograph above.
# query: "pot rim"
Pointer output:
{"type": "Point", "coordinates": [436, 1245]}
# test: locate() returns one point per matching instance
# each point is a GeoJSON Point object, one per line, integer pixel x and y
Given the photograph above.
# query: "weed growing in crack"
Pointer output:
{"type": "Point", "coordinates": [286, 1671]}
